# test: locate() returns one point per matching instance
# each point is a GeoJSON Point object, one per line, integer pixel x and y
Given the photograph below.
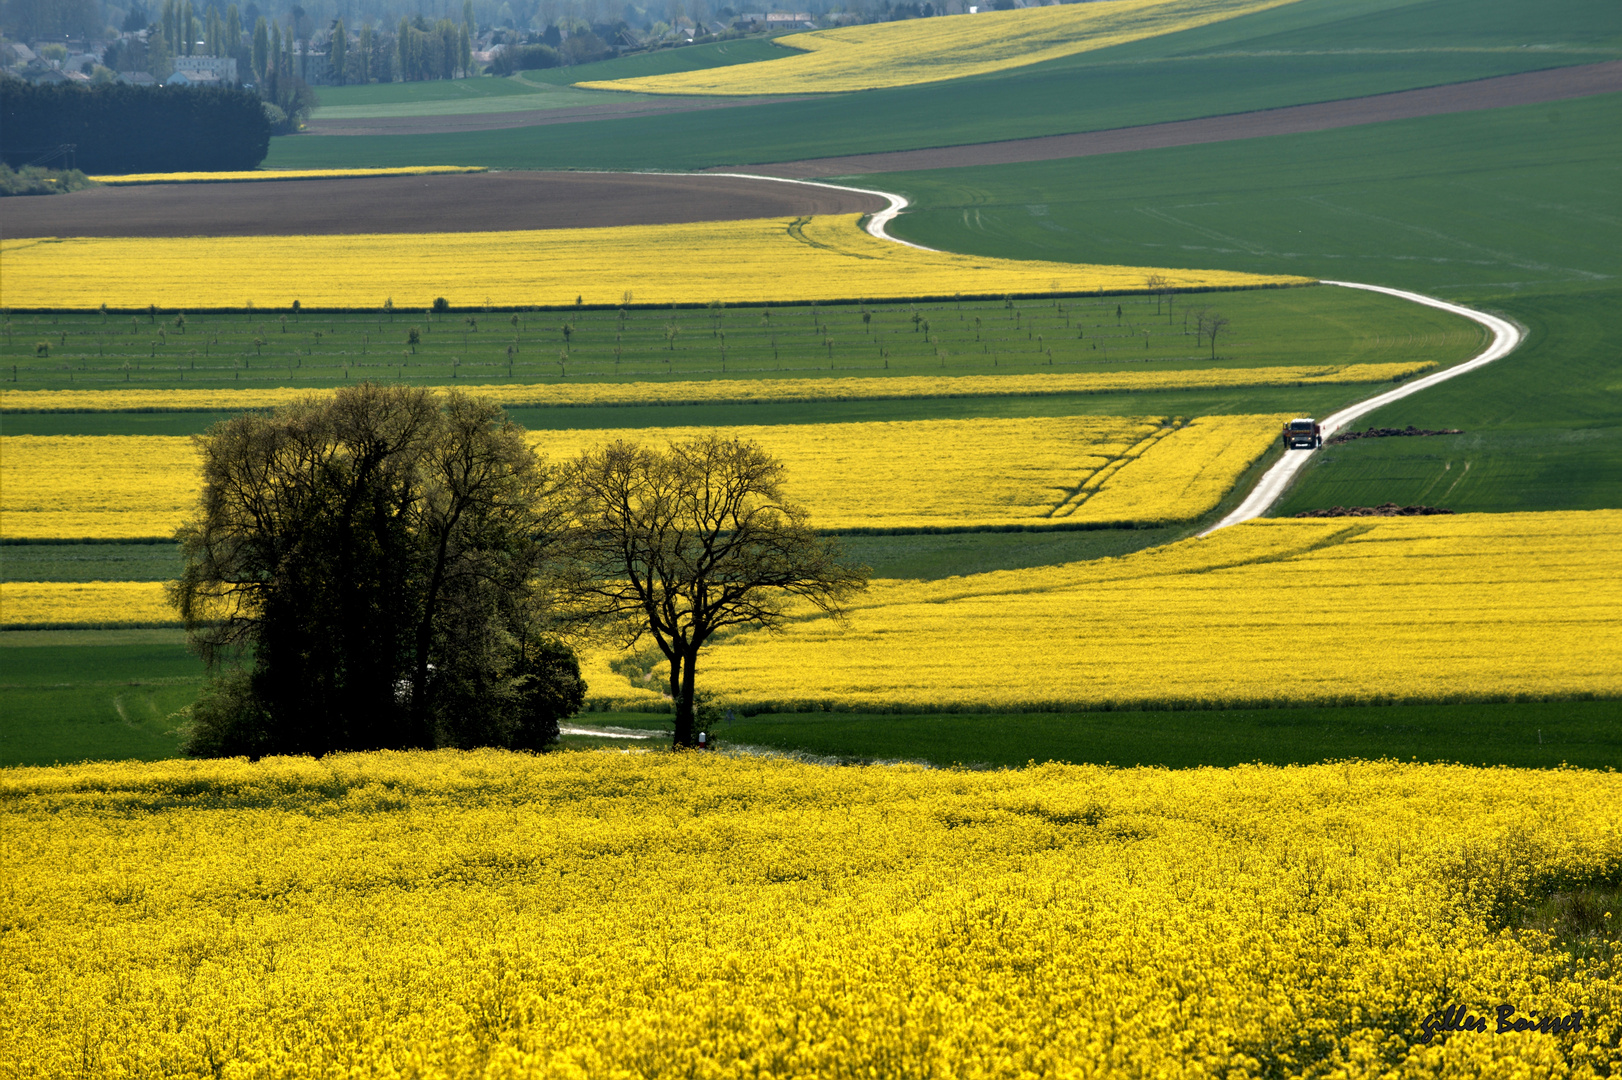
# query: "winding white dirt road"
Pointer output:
{"type": "Point", "coordinates": [875, 222]}
{"type": "Point", "coordinates": [1506, 336]}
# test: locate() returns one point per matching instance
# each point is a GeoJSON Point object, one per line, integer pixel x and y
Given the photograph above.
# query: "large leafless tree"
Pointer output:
{"type": "Point", "coordinates": [686, 541]}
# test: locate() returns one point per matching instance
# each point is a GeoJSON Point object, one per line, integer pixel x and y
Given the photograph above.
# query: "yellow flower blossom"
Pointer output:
{"type": "Point", "coordinates": [47, 604]}
{"type": "Point", "coordinates": [744, 390]}
{"type": "Point", "coordinates": [919, 474]}
{"type": "Point", "coordinates": [518, 917]}
{"type": "Point", "coordinates": [1469, 607]}
{"type": "Point", "coordinates": [778, 259]}
{"type": "Point", "coordinates": [1449, 608]}
{"type": "Point", "coordinates": [81, 487]}
{"type": "Point", "coordinates": [280, 174]}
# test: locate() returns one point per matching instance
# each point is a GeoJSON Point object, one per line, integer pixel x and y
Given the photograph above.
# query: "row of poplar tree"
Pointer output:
{"type": "Point", "coordinates": [416, 50]}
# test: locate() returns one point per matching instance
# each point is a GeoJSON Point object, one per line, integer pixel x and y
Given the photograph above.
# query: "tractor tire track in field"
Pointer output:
{"type": "Point", "coordinates": [1527, 88]}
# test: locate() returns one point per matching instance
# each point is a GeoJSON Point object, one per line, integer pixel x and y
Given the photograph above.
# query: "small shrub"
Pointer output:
{"type": "Point", "coordinates": [36, 181]}
{"type": "Point", "coordinates": [226, 720]}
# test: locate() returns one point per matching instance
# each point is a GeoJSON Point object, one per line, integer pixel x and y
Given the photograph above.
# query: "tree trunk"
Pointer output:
{"type": "Point", "coordinates": [681, 695]}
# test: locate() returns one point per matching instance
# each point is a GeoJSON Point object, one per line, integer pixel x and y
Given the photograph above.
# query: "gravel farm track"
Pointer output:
{"type": "Point", "coordinates": [468, 202]}
{"type": "Point", "coordinates": [1529, 88]}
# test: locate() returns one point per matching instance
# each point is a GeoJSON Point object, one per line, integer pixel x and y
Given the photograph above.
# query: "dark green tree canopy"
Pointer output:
{"type": "Point", "coordinates": [377, 561]}
{"type": "Point", "coordinates": [691, 540]}
{"type": "Point", "coordinates": [121, 129]}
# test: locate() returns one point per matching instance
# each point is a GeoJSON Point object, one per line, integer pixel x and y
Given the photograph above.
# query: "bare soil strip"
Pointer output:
{"type": "Point", "coordinates": [478, 202]}
{"type": "Point", "coordinates": [1529, 88]}
{"type": "Point", "coordinates": [440, 125]}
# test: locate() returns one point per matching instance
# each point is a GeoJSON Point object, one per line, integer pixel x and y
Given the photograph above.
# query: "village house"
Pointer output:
{"type": "Point", "coordinates": [223, 68]}
{"type": "Point", "coordinates": [194, 77]}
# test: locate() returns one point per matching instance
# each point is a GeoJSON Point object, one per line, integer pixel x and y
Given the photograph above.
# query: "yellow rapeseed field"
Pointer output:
{"type": "Point", "coordinates": [79, 487]}
{"type": "Point", "coordinates": [890, 475]}
{"type": "Point", "coordinates": [932, 50]}
{"type": "Point", "coordinates": [1351, 610]}
{"type": "Point", "coordinates": [1324, 610]}
{"type": "Point", "coordinates": [280, 174]}
{"type": "Point", "coordinates": [741, 391]}
{"type": "Point", "coordinates": [777, 259]}
{"type": "Point", "coordinates": [600, 914]}
{"type": "Point", "coordinates": [90, 603]}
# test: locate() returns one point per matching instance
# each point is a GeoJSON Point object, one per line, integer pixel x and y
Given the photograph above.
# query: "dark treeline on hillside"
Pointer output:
{"type": "Point", "coordinates": [122, 129]}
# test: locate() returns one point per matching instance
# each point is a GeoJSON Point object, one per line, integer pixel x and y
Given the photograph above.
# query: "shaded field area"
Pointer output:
{"type": "Point", "coordinates": [927, 556]}
{"type": "Point", "coordinates": [471, 202]}
{"type": "Point", "coordinates": [1558, 84]}
{"type": "Point", "coordinates": [74, 695]}
{"type": "Point", "coordinates": [1538, 735]}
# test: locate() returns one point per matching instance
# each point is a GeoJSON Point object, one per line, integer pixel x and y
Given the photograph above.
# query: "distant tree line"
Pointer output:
{"type": "Point", "coordinates": [27, 20]}
{"type": "Point", "coordinates": [432, 52]}
{"type": "Point", "coordinates": [120, 129]}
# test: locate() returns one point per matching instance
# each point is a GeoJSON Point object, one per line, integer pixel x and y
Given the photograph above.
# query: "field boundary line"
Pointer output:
{"type": "Point", "coordinates": [1506, 337]}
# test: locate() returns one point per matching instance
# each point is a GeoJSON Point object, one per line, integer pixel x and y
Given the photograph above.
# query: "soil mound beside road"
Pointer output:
{"type": "Point", "coordinates": [1392, 433]}
{"type": "Point", "coordinates": [472, 202]}
{"type": "Point", "coordinates": [1383, 510]}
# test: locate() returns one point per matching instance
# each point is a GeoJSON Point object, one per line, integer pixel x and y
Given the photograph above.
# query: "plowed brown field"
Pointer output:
{"type": "Point", "coordinates": [476, 202]}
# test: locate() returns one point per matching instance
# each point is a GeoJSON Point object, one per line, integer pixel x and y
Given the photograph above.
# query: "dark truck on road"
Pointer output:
{"type": "Point", "coordinates": [1302, 434]}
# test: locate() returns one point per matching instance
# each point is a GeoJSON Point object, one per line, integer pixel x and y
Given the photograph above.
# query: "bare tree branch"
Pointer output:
{"type": "Point", "coordinates": [683, 542]}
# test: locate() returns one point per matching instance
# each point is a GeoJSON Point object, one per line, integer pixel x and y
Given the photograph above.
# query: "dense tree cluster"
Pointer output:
{"type": "Point", "coordinates": [133, 128]}
{"type": "Point", "coordinates": [366, 570]}
{"type": "Point", "coordinates": [432, 52]}
{"type": "Point", "coordinates": [524, 58]}
{"type": "Point", "coordinates": [387, 568]}
{"type": "Point", "coordinates": [376, 554]}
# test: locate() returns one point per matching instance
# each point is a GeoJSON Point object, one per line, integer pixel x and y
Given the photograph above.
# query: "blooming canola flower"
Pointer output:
{"type": "Point", "coordinates": [592, 914]}
{"type": "Point", "coordinates": [826, 257]}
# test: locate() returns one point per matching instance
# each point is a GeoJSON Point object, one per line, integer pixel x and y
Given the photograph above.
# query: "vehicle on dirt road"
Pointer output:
{"type": "Point", "coordinates": [1302, 434]}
